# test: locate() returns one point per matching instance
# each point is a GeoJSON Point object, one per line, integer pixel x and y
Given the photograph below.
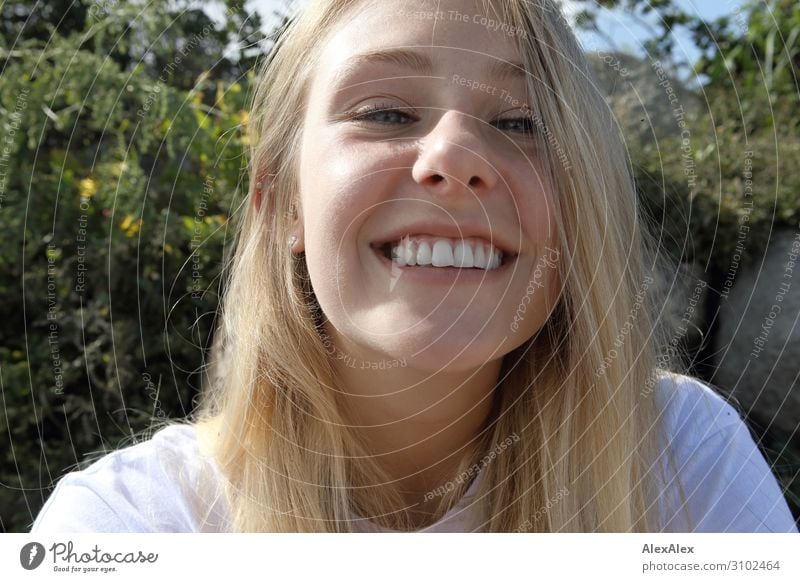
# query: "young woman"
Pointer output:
{"type": "Point", "coordinates": [437, 317]}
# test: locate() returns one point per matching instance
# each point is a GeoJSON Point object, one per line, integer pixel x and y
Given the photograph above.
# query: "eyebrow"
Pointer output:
{"type": "Point", "coordinates": [417, 61]}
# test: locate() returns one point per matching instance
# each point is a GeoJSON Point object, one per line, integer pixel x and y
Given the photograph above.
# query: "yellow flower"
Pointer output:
{"type": "Point", "coordinates": [130, 226]}
{"type": "Point", "coordinates": [134, 228]}
{"type": "Point", "coordinates": [88, 187]}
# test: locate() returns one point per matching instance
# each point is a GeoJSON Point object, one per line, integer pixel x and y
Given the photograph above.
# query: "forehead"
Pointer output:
{"type": "Point", "coordinates": [448, 32]}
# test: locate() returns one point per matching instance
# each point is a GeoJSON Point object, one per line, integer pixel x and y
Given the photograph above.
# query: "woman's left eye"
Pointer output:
{"type": "Point", "coordinates": [522, 125]}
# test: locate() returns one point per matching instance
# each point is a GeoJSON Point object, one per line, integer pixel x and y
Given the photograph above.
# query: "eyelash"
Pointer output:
{"type": "Point", "coordinates": [369, 111]}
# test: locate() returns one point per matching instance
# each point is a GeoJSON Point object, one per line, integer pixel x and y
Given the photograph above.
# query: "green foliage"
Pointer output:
{"type": "Point", "coordinates": [748, 102]}
{"type": "Point", "coordinates": [744, 137]}
{"type": "Point", "coordinates": [125, 164]}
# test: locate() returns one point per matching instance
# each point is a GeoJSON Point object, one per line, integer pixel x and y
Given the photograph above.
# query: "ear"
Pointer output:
{"type": "Point", "coordinates": [263, 181]}
{"type": "Point", "coordinates": [297, 228]}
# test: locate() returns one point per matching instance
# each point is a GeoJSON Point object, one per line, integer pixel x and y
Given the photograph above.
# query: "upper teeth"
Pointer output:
{"type": "Point", "coordinates": [445, 252]}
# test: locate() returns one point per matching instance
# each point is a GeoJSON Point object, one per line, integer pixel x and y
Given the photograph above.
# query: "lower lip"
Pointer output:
{"type": "Point", "coordinates": [446, 275]}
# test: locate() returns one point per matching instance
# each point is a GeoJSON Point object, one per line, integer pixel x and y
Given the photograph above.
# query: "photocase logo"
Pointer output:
{"type": "Point", "coordinates": [31, 555]}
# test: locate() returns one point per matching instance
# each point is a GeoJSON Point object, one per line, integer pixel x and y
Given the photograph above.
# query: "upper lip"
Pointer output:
{"type": "Point", "coordinates": [447, 230]}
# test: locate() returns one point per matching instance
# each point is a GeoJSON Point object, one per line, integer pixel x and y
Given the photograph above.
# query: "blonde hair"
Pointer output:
{"type": "Point", "coordinates": [587, 433]}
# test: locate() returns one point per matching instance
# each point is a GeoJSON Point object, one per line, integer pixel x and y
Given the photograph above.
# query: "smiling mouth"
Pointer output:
{"type": "Point", "coordinates": [471, 254]}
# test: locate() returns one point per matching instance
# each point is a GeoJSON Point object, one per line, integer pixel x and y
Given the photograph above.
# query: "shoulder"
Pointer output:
{"type": "Point", "coordinates": [163, 484]}
{"type": "Point", "coordinates": [692, 409]}
{"type": "Point", "coordinates": [716, 471]}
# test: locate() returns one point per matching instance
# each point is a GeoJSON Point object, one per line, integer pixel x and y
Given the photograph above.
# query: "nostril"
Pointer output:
{"type": "Point", "coordinates": [474, 181]}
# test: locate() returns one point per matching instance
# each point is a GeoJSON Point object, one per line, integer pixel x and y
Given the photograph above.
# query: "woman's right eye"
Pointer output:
{"type": "Point", "coordinates": [383, 114]}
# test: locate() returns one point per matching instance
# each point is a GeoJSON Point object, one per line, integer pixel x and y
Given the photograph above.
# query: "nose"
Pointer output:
{"type": "Point", "coordinates": [454, 158]}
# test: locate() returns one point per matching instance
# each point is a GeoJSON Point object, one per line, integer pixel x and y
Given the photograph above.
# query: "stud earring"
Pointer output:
{"type": "Point", "coordinates": [291, 240]}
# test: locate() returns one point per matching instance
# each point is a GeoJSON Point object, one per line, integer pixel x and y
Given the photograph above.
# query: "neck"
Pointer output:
{"type": "Point", "coordinates": [417, 423]}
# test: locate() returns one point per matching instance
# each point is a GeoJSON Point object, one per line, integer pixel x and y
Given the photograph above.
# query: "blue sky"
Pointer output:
{"type": "Point", "coordinates": [628, 34]}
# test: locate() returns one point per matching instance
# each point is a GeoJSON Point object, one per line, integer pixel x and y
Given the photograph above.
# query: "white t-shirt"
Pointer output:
{"type": "Point", "coordinates": [166, 484]}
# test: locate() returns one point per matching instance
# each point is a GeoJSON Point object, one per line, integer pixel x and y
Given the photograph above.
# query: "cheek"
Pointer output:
{"type": "Point", "coordinates": [537, 299]}
{"type": "Point", "coordinates": [340, 188]}
{"type": "Point", "coordinates": [540, 216]}
{"type": "Point", "coordinates": [328, 190]}
{"type": "Point", "coordinates": [551, 257]}
{"type": "Point", "coordinates": [534, 205]}
{"type": "Point", "coordinates": [539, 284]}
{"type": "Point", "coordinates": [343, 181]}
{"type": "Point", "coordinates": [338, 182]}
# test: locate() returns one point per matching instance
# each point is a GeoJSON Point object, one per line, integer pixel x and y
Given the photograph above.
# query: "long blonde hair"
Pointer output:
{"type": "Point", "coordinates": [586, 432]}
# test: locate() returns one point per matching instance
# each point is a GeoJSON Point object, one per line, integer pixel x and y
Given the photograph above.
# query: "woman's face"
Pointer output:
{"type": "Point", "coordinates": [446, 165]}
